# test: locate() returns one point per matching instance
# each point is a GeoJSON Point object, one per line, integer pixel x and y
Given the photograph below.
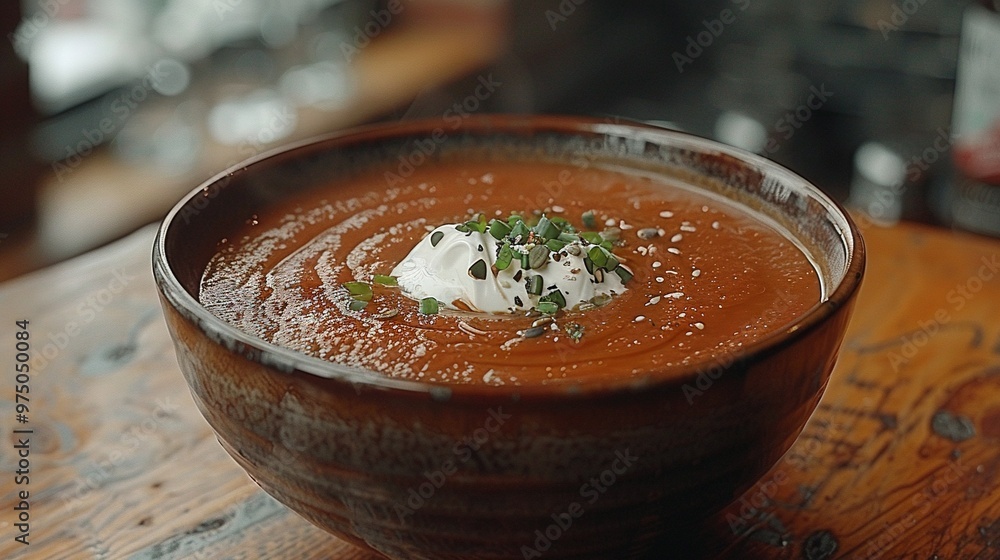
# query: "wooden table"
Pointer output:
{"type": "Point", "coordinates": [901, 459]}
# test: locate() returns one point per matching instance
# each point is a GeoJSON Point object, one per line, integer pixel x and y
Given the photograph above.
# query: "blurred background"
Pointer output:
{"type": "Point", "coordinates": [113, 109]}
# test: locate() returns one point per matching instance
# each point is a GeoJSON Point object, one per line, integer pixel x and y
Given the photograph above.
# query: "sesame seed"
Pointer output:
{"type": "Point", "coordinates": [688, 228]}
{"type": "Point", "coordinates": [666, 214]}
{"type": "Point", "coordinates": [659, 279]}
{"type": "Point", "coordinates": [610, 222]}
{"type": "Point", "coordinates": [654, 300]}
{"type": "Point", "coordinates": [558, 209]}
{"type": "Point", "coordinates": [673, 250]}
{"type": "Point", "coordinates": [700, 326]}
{"type": "Point", "coordinates": [716, 225]}
{"type": "Point", "coordinates": [657, 264]}
{"type": "Point", "coordinates": [696, 273]}
{"type": "Point", "coordinates": [677, 237]}
{"type": "Point", "coordinates": [640, 318]}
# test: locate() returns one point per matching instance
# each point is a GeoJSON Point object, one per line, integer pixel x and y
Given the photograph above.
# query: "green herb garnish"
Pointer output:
{"type": "Point", "coordinates": [499, 229]}
{"type": "Point", "coordinates": [556, 297]}
{"type": "Point", "coordinates": [547, 307]}
{"type": "Point", "coordinates": [623, 273]}
{"type": "Point", "coordinates": [361, 291]}
{"type": "Point", "coordinates": [429, 306]}
{"type": "Point", "coordinates": [535, 285]}
{"type": "Point", "coordinates": [504, 257]}
{"type": "Point", "coordinates": [385, 280]}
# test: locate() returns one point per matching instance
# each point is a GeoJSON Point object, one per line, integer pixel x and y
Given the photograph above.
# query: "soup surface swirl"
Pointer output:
{"type": "Point", "coordinates": [708, 276]}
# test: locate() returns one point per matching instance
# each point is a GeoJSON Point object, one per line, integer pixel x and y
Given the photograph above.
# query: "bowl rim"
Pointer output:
{"type": "Point", "coordinates": [323, 371]}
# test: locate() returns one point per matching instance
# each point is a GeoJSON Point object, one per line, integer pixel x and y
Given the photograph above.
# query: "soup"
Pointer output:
{"type": "Point", "coordinates": [641, 275]}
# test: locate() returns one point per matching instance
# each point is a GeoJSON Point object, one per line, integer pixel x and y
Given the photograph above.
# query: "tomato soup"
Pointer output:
{"type": "Point", "coordinates": [673, 276]}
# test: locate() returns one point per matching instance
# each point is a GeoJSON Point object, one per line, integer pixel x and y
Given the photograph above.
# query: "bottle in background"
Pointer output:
{"type": "Point", "coordinates": [975, 191]}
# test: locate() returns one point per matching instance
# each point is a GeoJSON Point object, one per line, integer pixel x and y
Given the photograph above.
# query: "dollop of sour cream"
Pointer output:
{"type": "Point", "coordinates": [445, 265]}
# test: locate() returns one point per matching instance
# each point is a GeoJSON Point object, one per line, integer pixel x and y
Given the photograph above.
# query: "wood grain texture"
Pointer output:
{"type": "Point", "coordinates": [901, 460]}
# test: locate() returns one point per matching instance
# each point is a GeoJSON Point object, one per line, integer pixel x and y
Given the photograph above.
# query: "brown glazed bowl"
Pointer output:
{"type": "Point", "coordinates": [430, 471]}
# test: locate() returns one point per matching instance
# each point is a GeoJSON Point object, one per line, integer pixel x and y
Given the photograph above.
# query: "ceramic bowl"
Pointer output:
{"type": "Point", "coordinates": [427, 471]}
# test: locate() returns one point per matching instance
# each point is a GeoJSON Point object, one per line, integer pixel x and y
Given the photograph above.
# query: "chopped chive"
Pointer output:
{"type": "Point", "coordinates": [607, 245]}
{"type": "Point", "coordinates": [361, 291]}
{"type": "Point", "coordinates": [592, 237]}
{"type": "Point", "coordinates": [547, 307]}
{"type": "Point", "coordinates": [385, 280]}
{"type": "Point", "coordinates": [535, 285]}
{"type": "Point", "coordinates": [555, 245]}
{"type": "Point", "coordinates": [612, 259]}
{"type": "Point", "coordinates": [357, 304]}
{"type": "Point", "coordinates": [504, 257]}
{"type": "Point", "coordinates": [589, 220]}
{"type": "Point", "coordinates": [568, 237]}
{"type": "Point", "coordinates": [602, 258]}
{"type": "Point", "coordinates": [520, 230]}
{"type": "Point", "coordinates": [499, 229]}
{"type": "Point", "coordinates": [513, 219]}
{"type": "Point", "coordinates": [476, 225]}
{"type": "Point", "coordinates": [547, 229]}
{"type": "Point", "coordinates": [556, 297]}
{"type": "Point", "coordinates": [623, 273]}
{"type": "Point", "coordinates": [429, 306]}
{"type": "Point", "coordinates": [478, 270]}
{"type": "Point", "coordinates": [589, 264]}
{"type": "Point", "coordinates": [525, 261]}
{"type": "Point", "coordinates": [436, 238]}
{"type": "Point", "coordinates": [598, 256]}
{"type": "Point", "coordinates": [538, 256]}
{"type": "Point", "coordinates": [464, 228]}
